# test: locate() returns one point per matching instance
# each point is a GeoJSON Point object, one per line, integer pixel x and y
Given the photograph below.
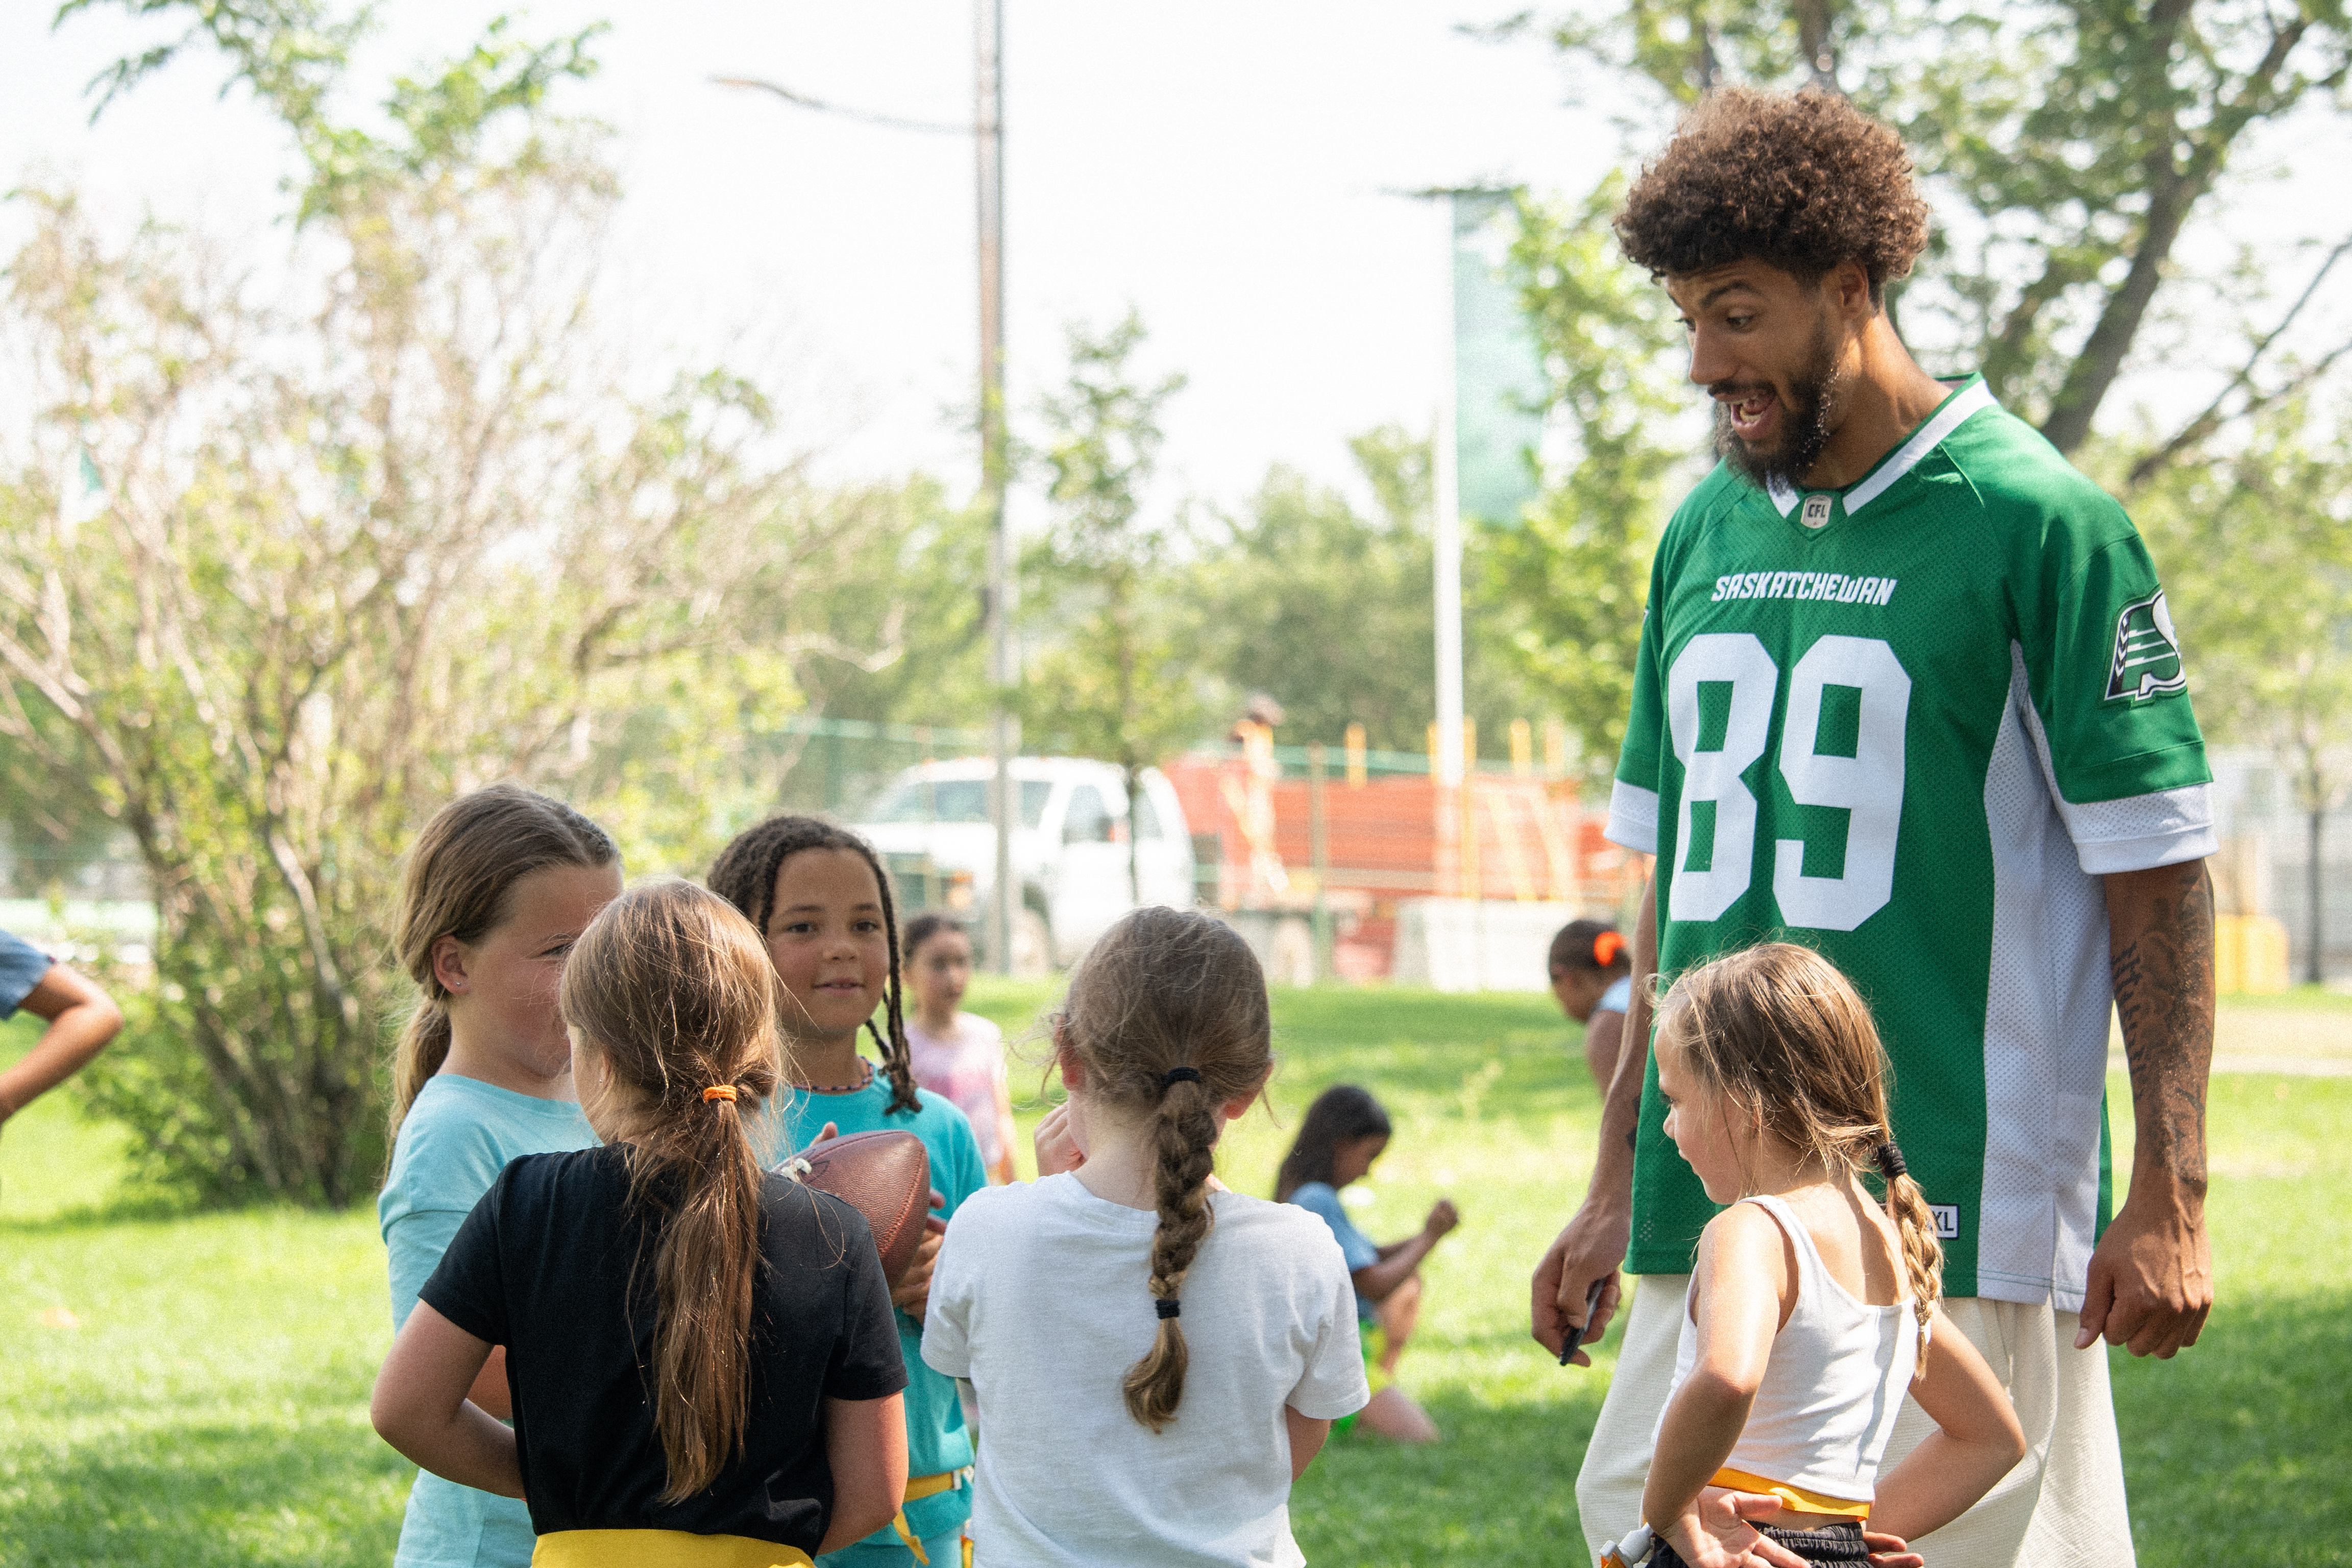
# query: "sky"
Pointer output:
{"type": "Point", "coordinates": [1232, 172]}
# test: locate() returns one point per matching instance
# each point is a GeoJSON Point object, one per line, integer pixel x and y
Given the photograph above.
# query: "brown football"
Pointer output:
{"type": "Point", "coordinates": [886, 1176]}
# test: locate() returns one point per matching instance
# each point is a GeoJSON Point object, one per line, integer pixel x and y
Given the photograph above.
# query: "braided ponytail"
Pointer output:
{"type": "Point", "coordinates": [1183, 1137]}
{"type": "Point", "coordinates": [898, 1055]}
{"type": "Point", "coordinates": [1923, 1255]}
{"type": "Point", "coordinates": [1168, 1014]}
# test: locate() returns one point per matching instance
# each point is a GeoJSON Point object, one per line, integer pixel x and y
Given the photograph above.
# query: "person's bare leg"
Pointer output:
{"type": "Point", "coordinates": [1395, 1415]}
{"type": "Point", "coordinates": [1400, 1314]}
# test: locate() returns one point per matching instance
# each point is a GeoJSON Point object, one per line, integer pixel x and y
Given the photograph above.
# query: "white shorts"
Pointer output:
{"type": "Point", "coordinates": [2061, 1506]}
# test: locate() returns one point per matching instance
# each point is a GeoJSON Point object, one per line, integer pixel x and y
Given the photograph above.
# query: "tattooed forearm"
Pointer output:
{"type": "Point", "coordinates": [2161, 935]}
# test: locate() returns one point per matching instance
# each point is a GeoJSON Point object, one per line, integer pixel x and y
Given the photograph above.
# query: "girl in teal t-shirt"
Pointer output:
{"type": "Point", "coordinates": [819, 899]}
{"type": "Point", "coordinates": [499, 884]}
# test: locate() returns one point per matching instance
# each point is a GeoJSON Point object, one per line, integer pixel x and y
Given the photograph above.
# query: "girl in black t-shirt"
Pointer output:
{"type": "Point", "coordinates": [704, 1364]}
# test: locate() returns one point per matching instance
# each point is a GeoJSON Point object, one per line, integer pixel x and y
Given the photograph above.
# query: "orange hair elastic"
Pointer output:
{"type": "Point", "coordinates": [1606, 947]}
{"type": "Point", "coordinates": [719, 1091]}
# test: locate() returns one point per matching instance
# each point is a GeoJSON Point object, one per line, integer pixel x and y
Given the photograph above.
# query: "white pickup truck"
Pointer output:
{"type": "Point", "coordinates": [1069, 845]}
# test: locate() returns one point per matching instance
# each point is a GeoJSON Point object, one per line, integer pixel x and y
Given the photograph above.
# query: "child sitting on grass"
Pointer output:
{"type": "Point", "coordinates": [1812, 1310]}
{"type": "Point", "coordinates": [1345, 1131]}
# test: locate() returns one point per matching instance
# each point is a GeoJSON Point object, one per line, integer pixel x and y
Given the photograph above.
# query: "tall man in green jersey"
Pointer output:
{"type": "Point", "coordinates": [1908, 693]}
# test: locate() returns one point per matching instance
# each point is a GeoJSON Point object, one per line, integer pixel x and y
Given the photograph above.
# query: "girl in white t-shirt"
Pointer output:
{"type": "Point", "coordinates": [1812, 1310]}
{"type": "Point", "coordinates": [1152, 1359]}
{"type": "Point", "coordinates": [958, 1056]}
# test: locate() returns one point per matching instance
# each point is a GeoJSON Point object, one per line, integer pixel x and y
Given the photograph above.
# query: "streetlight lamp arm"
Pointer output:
{"type": "Point", "coordinates": [893, 121]}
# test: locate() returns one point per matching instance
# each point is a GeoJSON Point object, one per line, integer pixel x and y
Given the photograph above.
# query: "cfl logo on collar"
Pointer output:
{"type": "Point", "coordinates": [1816, 512]}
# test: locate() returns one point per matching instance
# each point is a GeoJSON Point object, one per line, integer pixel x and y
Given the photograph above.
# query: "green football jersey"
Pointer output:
{"type": "Point", "coordinates": [1910, 724]}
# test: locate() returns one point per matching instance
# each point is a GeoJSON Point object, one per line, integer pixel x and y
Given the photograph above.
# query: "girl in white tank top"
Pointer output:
{"type": "Point", "coordinates": [1812, 1310]}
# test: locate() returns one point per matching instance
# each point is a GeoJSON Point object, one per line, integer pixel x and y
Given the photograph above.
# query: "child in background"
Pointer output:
{"type": "Point", "coordinates": [959, 1055]}
{"type": "Point", "coordinates": [701, 1354]}
{"type": "Point", "coordinates": [1592, 976]}
{"type": "Point", "coordinates": [499, 884]}
{"type": "Point", "coordinates": [1153, 1360]}
{"type": "Point", "coordinates": [1345, 1131]}
{"type": "Point", "coordinates": [818, 898]}
{"type": "Point", "coordinates": [1812, 1310]}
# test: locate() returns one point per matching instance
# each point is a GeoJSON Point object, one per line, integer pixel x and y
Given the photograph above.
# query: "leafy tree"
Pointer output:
{"type": "Point", "coordinates": [2257, 551]}
{"type": "Point", "coordinates": [1329, 609]}
{"type": "Point", "coordinates": [1297, 595]}
{"type": "Point", "coordinates": [387, 532]}
{"type": "Point", "coordinates": [1113, 676]}
{"type": "Point", "coordinates": [2073, 143]}
{"type": "Point", "coordinates": [1571, 579]}
{"type": "Point", "coordinates": [902, 637]}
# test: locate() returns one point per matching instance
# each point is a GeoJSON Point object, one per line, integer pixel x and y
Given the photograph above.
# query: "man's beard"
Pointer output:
{"type": "Point", "coordinates": [1810, 415]}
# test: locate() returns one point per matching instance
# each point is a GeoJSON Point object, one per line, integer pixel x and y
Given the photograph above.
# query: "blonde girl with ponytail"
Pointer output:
{"type": "Point", "coordinates": [700, 1352]}
{"type": "Point", "coordinates": [1153, 1359]}
{"type": "Point", "coordinates": [1813, 1310]}
{"type": "Point", "coordinates": [496, 889]}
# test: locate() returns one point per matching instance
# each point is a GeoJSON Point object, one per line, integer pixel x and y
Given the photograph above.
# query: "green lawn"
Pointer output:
{"type": "Point", "coordinates": [192, 1391]}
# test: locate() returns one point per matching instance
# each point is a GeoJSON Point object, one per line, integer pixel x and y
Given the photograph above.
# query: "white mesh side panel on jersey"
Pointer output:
{"type": "Point", "coordinates": [2045, 1032]}
{"type": "Point", "coordinates": [1633, 817]}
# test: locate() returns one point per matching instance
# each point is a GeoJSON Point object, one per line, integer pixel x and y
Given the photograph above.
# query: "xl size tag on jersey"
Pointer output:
{"type": "Point", "coordinates": [1816, 513]}
{"type": "Point", "coordinates": [2147, 652]}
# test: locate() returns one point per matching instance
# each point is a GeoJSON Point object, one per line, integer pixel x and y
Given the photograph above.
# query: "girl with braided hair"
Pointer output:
{"type": "Point", "coordinates": [820, 900]}
{"type": "Point", "coordinates": [1154, 1358]}
{"type": "Point", "coordinates": [1814, 1309]}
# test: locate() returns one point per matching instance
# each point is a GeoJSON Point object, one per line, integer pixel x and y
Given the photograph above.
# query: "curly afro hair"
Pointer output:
{"type": "Point", "coordinates": [1802, 180]}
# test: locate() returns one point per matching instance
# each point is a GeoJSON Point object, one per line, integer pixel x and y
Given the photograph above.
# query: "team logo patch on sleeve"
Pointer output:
{"type": "Point", "coordinates": [2147, 652]}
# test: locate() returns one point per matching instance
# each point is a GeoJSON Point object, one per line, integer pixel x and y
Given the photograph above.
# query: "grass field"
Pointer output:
{"type": "Point", "coordinates": [191, 1391]}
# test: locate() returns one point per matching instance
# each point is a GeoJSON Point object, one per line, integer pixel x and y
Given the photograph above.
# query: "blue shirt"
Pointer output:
{"type": "Point", "coordinates": [1618, 998]}
{"type": "Point", "coordinates": [1322, 1200]}
{"type": "Point", "coordinates": [21, 967]}
{"type": "Point", "coordinates": [460, 1134]}
{"type": "Point", "coordinates": [936, 1438]}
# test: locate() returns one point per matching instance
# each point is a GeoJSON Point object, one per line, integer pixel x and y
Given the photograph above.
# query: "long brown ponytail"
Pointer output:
{"type": "Point", "coordinates": [1782, 1033]}
{"type": "Point", "coordinates": [460, 881]}
{"type": "Point", "coordinates": [674, 990]}
{"type": "Point", "coordinates": [745, 876]}
{"type": "Point", "coordinates": [1168, 1016]}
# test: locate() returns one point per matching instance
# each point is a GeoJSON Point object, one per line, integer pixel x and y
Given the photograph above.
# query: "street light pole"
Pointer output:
{"type": "Point", "coordinates": [988, 141]}
{"type": "Point", "coordinates": [1445, 534]}
{"type": "Point", "coordinates": [987, 133]}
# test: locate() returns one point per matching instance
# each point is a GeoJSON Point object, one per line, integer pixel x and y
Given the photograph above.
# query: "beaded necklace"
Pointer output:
{"type": "Point", "coordinates": [866, 1082]}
